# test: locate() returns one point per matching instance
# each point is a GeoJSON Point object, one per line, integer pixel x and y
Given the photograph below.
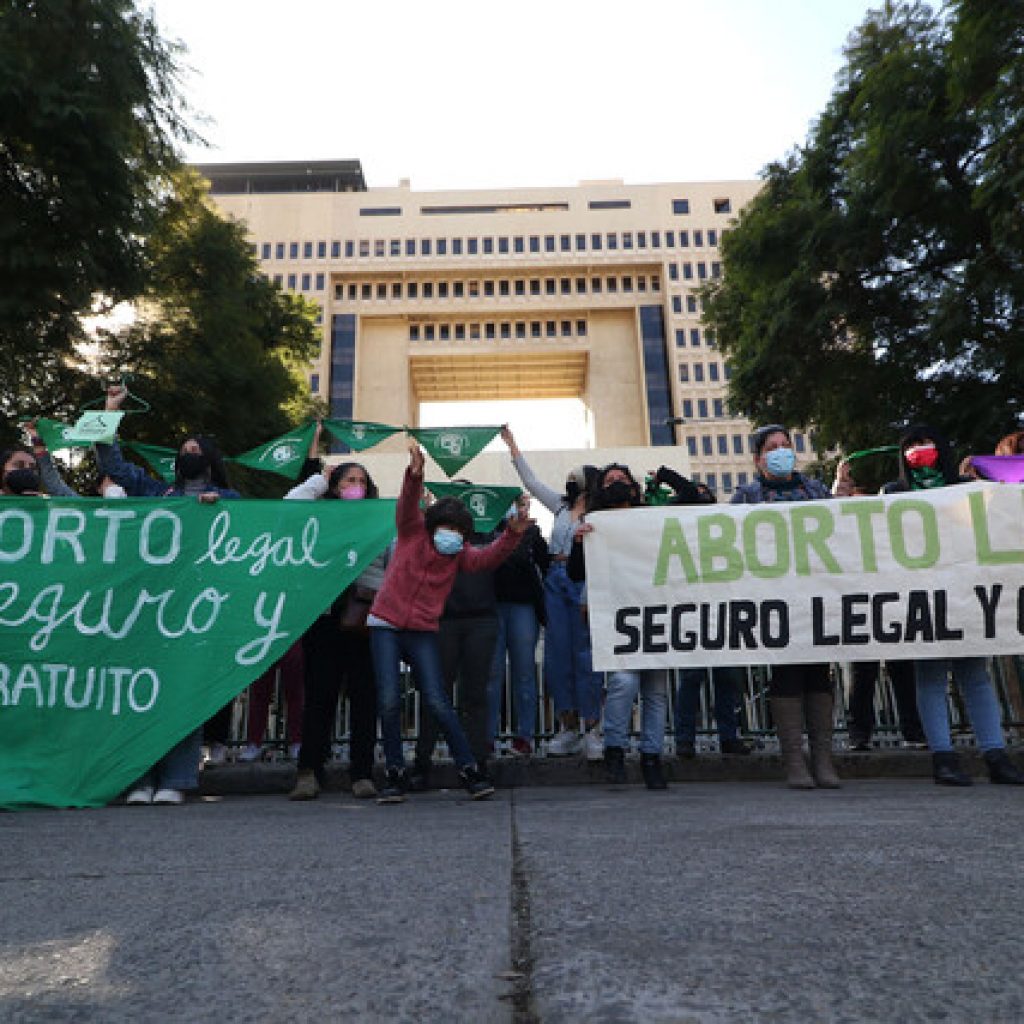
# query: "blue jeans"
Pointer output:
{"type": "Point", "coordinates": [179, 767]}
{"type": "Point", "coordinates": [518, 630]}
{"type": "Point", "coordinates": [423, 654]}
{"type": "Point", "coordinates": [726, 683]}
{"type": "Point", "coordinates": [971, 675]}
{"type": "Point", "coordinates": [652, 684]}
{"type": "Point", "coordinates": [568, 670]}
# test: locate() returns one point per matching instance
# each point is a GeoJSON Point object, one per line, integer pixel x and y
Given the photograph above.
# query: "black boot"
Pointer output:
{"type": "Point", "coordinates": [946, 770]}
{"type": "Point", "coordinates": [615, 765]}
{"type": "Point", "coordinates": [1001, 769]}
{"type": "Point", "coordinates": [419, 778]}
{"type": "Point", "coordinates": [650, 768]}
{"type": "Point", "coordinates": [396, 784]}
{"type": "Point", "coordinates": [475, 784]}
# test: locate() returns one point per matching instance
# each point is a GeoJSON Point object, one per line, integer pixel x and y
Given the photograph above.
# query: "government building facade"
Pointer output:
{"type": "Point", "coordinates": [588, 292]}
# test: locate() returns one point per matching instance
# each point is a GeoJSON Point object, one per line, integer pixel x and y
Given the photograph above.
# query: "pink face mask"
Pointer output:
{"type": "Point", "coordinates": [353, 492]}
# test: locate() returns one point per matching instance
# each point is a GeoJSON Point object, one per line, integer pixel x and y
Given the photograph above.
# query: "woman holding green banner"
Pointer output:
{"type": "Point", "coordinates": [574, 686]}
{"type": "Point", "coordinates": [337, 652]}
{"type": "Point", "coordinates": [199, 473]}
{"type": "Point", "coordinates": [25, 472]}
{"type": "Point", "coordinates": [431, 549]}
{"type": "Point", "coordinates": [796, 690]}
{"type": "Point", "coordinates": [927, 461]}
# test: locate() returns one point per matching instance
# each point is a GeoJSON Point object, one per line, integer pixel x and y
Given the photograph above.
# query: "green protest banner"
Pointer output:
{"type": "Point", "coordinates": [57, 436]}
{"type": "Point", "coordinates": [452, 447]}
{"type": "Point", "coordinates": [284, 455]}
{"type": "Point", "coordinates": [486, 504]}
{"type": "Point", "coordinates": [359, 434]}
{"type": "Point", "coordinates": [126, 624]}
{"type": "Point", "coordinates": [160, 459]}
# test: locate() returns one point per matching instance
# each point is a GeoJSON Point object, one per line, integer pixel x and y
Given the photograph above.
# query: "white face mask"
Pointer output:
{"type": "Point", "coordinates": [114, 491]}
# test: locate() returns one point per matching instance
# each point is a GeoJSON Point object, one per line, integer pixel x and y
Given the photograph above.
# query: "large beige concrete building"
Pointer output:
{"type": "Point", "coordinates": [588, 292]}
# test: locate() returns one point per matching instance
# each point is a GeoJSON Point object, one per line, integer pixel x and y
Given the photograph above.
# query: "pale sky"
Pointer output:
{"type": "Point", "coordinates": [488, 94]}
{"type": "Point", "coordinates": [458, 94]}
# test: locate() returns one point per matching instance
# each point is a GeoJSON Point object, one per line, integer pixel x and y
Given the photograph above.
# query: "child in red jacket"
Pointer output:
{"type": "Point", "coordinates": [403, 621]}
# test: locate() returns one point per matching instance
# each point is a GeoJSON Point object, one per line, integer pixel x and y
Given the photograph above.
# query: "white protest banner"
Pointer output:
{"type": "Point", "coordinates": [927, 574]}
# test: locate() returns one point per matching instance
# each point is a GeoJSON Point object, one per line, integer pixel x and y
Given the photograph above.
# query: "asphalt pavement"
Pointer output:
{"type": "Point", "coordinates": [888, 900]}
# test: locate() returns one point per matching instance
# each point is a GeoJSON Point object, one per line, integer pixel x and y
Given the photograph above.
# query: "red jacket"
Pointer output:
{"type": "Point", "coordinates": [418, 578]}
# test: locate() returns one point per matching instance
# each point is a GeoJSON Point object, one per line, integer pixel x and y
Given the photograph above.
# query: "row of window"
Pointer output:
{"type": "Point", "coordinates": [610, 241]}
{"type": "Point", "coordinates": [302, 282]}
{"type": "Point", "coordinates": [695, 372]}
{"type": "Point", "coordinates": [505, 330]}
{"type": "Point", "coordinates": [674, 270]}
{"type": "Point", "coordinates": [496, 288]}
{"type": "Point", "coordinates": [679, 206]}
{"type": "Point", "coordinates": [695, 336]}
{"type": "Point", "coordinates": [726, 444]}
{"type": "Point", "coordinates": [711, 479]}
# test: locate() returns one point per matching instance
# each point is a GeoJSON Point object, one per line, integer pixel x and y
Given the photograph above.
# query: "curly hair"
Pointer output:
{"type": "Point", "coordinates": [449, 512]}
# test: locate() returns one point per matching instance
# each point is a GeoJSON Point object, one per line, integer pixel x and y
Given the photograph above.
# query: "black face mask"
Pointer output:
{"type": "Point", "coordinates": [21, 481]}
{"type": "Point", "coordinates": [617, 493]}
{"type": "Point", "coordinates": [192, 465]}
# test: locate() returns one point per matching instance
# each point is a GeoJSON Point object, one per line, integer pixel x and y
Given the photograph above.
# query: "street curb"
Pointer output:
{"type": "Point", "coordinates": [509, 773]}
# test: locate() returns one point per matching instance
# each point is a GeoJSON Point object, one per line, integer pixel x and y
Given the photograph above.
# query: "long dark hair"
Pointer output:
{"type": "Point", "coordinates": [919, 433]}
{"type": "Point", "coordinates": [596, 502]}
{"type": "Point", "coordinates": [209, 447]}
{"type": "Point", "coordinates": [340, 470]}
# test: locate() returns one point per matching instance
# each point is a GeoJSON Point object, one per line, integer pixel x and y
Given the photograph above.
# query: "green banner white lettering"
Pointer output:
{"type": "Point", "coordinates": [126, 624]}
{"type": "Point", "coordinates": [919, 575]}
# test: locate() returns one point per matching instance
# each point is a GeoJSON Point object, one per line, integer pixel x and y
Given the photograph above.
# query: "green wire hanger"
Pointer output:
{"type": "Point", "coordinates": [143, 405]}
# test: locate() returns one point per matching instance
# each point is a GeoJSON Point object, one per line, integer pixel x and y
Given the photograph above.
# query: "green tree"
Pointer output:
{"type": "Point", "coordinates": [89, 117]}
{"type": "Point", "coordinates": [878, 277]}
{"type": "Point", "coordinates": [216, 347]}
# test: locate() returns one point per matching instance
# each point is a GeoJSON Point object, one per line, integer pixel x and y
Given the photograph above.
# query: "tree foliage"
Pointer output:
{"type": "Point", "coordinates": [878, 277]}
{"type": "Point", "coordinates": [216, 347]}
{"type": "Point", "coordinates": [89, 117]}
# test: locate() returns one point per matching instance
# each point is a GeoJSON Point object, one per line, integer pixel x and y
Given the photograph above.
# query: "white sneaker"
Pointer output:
{"type": "Point", "coordinates": [565, 743]}
{"type": "Point", "coordinates": [252, 752]}
{"type": "Point", "coordinates": [593, 745]}
{"type": "Point", "coordinates": [218, 755]}
{"type": "Point", "coordinates": [168, 796]}
{"type": "Point", "coordinates": [142, 795]}
{"type": "Point", "coordinates": [293, 751]}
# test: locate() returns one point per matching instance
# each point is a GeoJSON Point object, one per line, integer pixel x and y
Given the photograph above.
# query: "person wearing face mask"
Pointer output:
{"type": "Point", "coordinates": [430, 550]}
{"type": "Point", "coordinates": [796, 690]}
{"type": "Point", "coordinates": [575, 688]}
{"type": "Point", "coordinates": [198, 472]}
{"type": "Point", "coordinates": [617, 489]}
{"type": "Point", "coordinates": [337, 654]}
{"type": "Point", "coordinates": [31, 473]}
{"type": "Point", "coordinates": [927, 461]}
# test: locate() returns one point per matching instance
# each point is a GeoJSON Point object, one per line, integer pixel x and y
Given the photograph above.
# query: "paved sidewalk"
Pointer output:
{"type": "Point", "coordinates": [886, 900]}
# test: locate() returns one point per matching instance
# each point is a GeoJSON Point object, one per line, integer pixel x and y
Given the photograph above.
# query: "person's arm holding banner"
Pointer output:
{"type": "Point", "coordinates": [53, 483]}
{"type": "Point", "coordinates": [134, 479]}
{"type": "Point", "coordinates": [547, 496]}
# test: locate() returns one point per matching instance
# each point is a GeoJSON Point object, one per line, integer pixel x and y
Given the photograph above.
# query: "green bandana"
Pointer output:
{"type": "Point", "coordinates": [57, 436]}
{"type": "Point", "coordinates": [926, 477]}
{"type": "Point", "coordinates": [284, 455]}
{"type": "Point", "coordinates": [359, 434]}
{"type": "Point", "coordinates": [160, 459]}
{"type": "Point", "coordinates": [452, 447]}
{"type": "Point", "coordinates": [486, 504]}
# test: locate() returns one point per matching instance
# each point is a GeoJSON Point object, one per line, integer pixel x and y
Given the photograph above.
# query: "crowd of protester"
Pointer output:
{"type": "Point", "coordinates": [464, 611]}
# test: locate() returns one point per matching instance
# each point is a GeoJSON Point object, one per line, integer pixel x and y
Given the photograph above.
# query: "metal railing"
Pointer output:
{"type": "Point", "coordinates": [753, 712]}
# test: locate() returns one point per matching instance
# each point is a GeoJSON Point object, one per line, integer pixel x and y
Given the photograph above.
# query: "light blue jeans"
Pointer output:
{"type": "Point", "coordinates": [179, 767]}
{"type": "Point", "coordinates": [568, 667]}
{"type": "Point", "coordinates": [518, 630]}
{"type": "Point", "coordinates": [971, 676]}
{"type": "Point", "coordinates": [623, 686]}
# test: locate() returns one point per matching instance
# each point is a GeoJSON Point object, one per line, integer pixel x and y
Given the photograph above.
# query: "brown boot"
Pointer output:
{"type": "Point", "coordinates": [819, 734]}
{"type": "Point", "coordinates": [306, 786]}
{"type": "Point", "coordinates": [788, 713]}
